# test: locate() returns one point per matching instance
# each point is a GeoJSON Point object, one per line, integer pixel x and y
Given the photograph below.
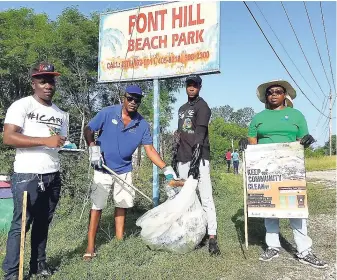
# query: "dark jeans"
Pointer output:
{"type": "Point", "coordinates": [228, 164]}
{"type": "Point", "coordinates": [40, 209]}
{"type": "Point", "coordinates": [236, 166]}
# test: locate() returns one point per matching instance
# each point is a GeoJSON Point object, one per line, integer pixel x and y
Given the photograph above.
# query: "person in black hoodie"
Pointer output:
{"type": "Point", "coordinates": [191, 151]}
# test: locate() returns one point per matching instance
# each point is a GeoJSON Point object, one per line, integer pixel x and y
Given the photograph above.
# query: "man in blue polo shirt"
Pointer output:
{"type": "Point", "coordinates": [121, 130]}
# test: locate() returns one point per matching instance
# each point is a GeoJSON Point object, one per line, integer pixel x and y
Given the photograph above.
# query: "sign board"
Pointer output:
{"type": "Point", "coordinates": [275, 181]}
{"type": "Point", "coordinates": [159, 41]}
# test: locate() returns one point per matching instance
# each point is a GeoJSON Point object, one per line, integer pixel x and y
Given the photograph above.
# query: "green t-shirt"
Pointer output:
{"type": "Point", "coordinates": [278, 126]}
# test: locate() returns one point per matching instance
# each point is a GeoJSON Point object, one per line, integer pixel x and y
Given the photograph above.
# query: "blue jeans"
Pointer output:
{"type": "Point", "coordinates": [40, 209]}
{"type": "Point", "coordinates": [236, 166]}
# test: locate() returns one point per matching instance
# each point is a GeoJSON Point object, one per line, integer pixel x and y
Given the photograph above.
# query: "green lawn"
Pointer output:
{"type": "Point", "coordinates": [320, 163]}
{"type": "Point", "coordinates": [131, 259]}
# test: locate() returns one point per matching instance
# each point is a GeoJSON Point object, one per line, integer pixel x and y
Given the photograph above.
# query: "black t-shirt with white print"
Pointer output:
{"type": "Point", "coordinates": [191, 115]}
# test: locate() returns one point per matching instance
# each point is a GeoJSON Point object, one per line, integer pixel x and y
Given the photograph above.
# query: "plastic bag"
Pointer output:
{"type": "Point", "coordinates": [178, 225]}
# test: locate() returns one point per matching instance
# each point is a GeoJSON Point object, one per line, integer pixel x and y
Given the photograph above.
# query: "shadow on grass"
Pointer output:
{"type": "Point", "coordinates": [256, 233]}
{"type": "Point", "coordinates": [105, 234]}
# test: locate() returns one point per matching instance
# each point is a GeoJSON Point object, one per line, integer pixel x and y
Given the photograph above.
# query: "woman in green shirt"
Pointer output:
{"type": "Point", "coordinates": [281, 123]}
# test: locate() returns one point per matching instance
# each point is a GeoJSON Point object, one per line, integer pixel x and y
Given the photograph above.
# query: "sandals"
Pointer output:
{"type": "Point", "coordinates": [89, 256]}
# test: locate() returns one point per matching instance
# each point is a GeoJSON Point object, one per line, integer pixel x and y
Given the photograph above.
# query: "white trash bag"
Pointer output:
{"type": "Point", "coordinates": [177, 225]}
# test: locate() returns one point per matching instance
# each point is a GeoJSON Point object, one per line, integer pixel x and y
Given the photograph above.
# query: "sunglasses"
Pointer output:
{"type": "Point", "coordinates": [276, 91]}
{"type": "Point", "coordinates": [135, 99]}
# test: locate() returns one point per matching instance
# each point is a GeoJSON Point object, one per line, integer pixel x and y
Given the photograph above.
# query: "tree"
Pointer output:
{"type": "Point", "coordinates": [224, 112]}
{"type": "Point", "coordinates": [241, 117]}
{"type": "Point", "coordinates": [333, 145]}
{"type": "Point", "coordinates": [71, 44]}
{"type": "Point", "coordinates": [221, 134]}
{"type": "Point", "coordinates": [25, 38]}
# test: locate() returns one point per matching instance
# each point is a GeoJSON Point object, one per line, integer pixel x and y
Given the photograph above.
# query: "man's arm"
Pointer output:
{"type": "Point", "coordinates": [156, 159]}
{"type": "Point", "coordinates": [154, 156]}
{"type": "Point", "coordinates": [202, 121]}
{"type": "Point", "coordinates": [89, 136]}
{"type": "Point", "coordinates": [14, 138]}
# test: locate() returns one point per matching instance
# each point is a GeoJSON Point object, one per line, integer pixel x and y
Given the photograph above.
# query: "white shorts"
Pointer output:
{"type": "Point", "coordinates": [123, 195]}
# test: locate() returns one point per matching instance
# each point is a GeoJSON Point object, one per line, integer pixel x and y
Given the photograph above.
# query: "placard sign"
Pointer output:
{"type": "Point", "coordinates": [275, 181]}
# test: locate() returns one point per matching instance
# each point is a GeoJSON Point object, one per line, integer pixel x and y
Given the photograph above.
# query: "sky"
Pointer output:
{"type": "Point", "coordinates": [246, 59]}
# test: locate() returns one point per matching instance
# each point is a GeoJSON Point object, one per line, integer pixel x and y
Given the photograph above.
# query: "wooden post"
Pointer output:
{"type": "Point", "coordinates": [245, 197]}
{"type": "Point", "coordinates": [23, 233]}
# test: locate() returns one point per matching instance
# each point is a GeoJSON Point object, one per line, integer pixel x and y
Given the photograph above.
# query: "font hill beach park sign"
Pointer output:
{"type": "Point", "coordinates": [275, 182]}
{"type": "Point", "coordinates": [159, 41]}
{"type": "Point", "coordinates": [156, 42]}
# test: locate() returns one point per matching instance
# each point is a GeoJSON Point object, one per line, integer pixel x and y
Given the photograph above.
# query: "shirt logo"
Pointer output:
{"type": "Point", "coordinates": [40, 118]}
{"type": "Point", "coordinates": [187, 114]}
{"type": "Point", "coordinates": [181, 115]}
{"type": "Point", "coordinates": [190, 113]}
{"type": "Point", "coordinates": [114, 121]}
{"type": "Point", "coordinates": [187, 126]}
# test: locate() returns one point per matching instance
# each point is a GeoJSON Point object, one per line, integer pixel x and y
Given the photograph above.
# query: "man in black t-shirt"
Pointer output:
{"type": "Point", "coordinates": [191, 152]}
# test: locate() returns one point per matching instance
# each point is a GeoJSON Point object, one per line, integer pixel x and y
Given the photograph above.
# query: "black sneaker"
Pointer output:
{"type": "Point", "coordinates": [268, 255]}
{"type": "Point", "coordinates": [41, 270]}
{"type": "Point", "coordinates": [12, 277]}
{"type": "Point", "coordinates": [312, 260]}
{"type": "Point", "coordinates": [213, 247]}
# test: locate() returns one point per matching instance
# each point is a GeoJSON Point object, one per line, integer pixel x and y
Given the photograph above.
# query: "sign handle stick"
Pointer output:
{"type": "Point", "coordinates": [23, 233]}
{"type": "Point", "coordinates": [245, 198]}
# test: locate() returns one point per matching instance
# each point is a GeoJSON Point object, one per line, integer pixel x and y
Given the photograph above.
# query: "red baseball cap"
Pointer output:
{"type": "Point", "coordinates": [44, 68]}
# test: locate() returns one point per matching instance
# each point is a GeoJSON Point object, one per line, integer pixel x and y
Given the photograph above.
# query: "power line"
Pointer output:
{"type": "Point", "coordinates": [281, 60]}
{"type": "Point", "coordinates": [324, 106]}
{"type": "Point", "coordinates": [319, 53]}
{"type": "Point", "coordinates": [327, 46]}
{"type": "Point", "coordinates": [285, 49]}
{"type": "Point", "coordinates": [298, 41]}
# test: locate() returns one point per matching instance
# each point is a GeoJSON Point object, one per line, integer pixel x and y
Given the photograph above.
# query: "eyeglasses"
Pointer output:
{"type": "Point", "coordinates": [276, 91]}
{"type": "Point", "coordinates": [131, 98]}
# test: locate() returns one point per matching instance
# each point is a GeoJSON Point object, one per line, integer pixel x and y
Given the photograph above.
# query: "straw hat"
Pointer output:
{"type": "Point", "coordinates": [290, 91]}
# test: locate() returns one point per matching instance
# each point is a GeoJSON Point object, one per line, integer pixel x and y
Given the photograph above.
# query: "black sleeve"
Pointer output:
{"type": "Point", "coordinates": [200, 134]}
{"type": "Point", "coordinates": [202, 120]}
{"type": "Point", "coordinates": [203, 116]}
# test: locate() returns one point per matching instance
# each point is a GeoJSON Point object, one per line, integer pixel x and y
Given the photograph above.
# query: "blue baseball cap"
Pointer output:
{"type": "Point", "coordinates": [134, 90]}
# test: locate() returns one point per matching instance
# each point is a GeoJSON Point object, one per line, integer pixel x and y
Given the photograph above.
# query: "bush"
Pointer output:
{"type": "Point", "coordinates": [309, 152]}
{"type": "Point", "coordinates": [7, 155]}
{"type": "Point", "coordinates": [76, 176]}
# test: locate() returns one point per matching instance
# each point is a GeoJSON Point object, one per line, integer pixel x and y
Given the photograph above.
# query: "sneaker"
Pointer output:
{"type": "Point", "coordinates": [213, 247]}
{"type": "Point", "coordinates": [12, 277]}
{"type": "Point", "coordinates": [269, 254]}
{"type": "Point", "coordinates": [312, 260]}
{"type": "Point", "coordinates": [41, 270]}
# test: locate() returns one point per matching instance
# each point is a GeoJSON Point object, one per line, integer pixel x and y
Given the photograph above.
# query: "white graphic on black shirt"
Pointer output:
{"type": "Point", "coordinates": [181, 115]}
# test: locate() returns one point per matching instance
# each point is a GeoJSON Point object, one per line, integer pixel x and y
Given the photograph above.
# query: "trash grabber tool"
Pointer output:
{"type": "Point", "coordinates": [126, 183]}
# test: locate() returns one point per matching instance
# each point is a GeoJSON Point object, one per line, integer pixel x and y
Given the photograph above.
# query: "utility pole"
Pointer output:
{"type": "Point", "coordinates": [330, 124]}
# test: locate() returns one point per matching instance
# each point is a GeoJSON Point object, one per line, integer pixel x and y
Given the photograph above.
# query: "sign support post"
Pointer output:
{"type": "Point", "coordinates": [155, 183]}
{"type": "Point", "coordinates": [245, 198]}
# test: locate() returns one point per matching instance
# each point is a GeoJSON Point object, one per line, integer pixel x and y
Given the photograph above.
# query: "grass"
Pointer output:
{"type": "Point", "coordinates": [131, 259]}
{"type": "Point", "coordinates": [320, 163]}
